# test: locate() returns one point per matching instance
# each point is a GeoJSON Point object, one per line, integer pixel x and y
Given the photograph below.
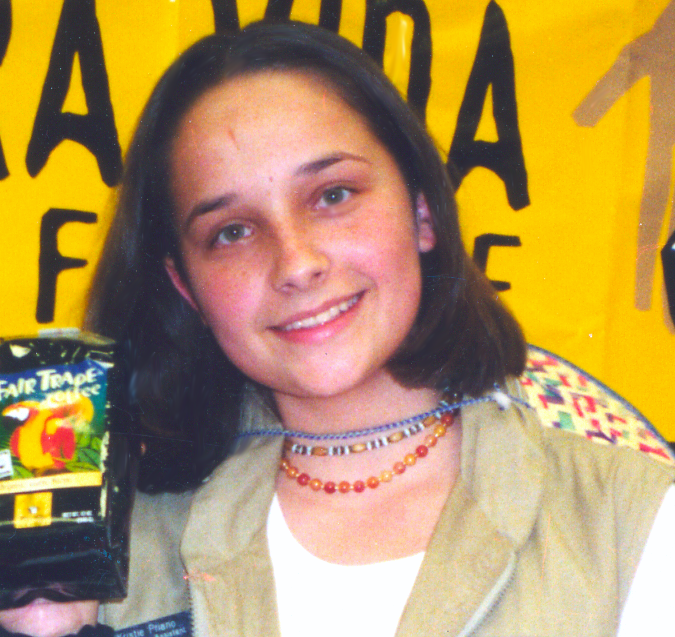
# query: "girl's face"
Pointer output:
{"type": "Point", "coordinates": [299, 240]}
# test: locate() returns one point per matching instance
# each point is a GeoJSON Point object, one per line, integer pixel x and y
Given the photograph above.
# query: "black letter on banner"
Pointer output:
{"type": "Point", "coordinates": [493, 65]}
{"type": "Point", "coordinates": [225, 15]}
{"type": "Point", "coordinates": [51, 261]}
{"type": "Point", "coordinates": [481, 249]}
{"type": "Point", "coordinates": [278, 10]}
{"type": "Point", "coordinates": [668, 261]}
{"type": "Point", "coordinates": [78, 32]}
{"type": "Point", "coordinates": [329, 14]}
{"type": "Point", "coordinates": [5, 32]}
{"type": "Point", "coordinates": [374, 36]}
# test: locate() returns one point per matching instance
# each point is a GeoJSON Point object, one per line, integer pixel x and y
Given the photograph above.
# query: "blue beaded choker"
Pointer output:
{"type": "Point", "coordinates": [498, 396]}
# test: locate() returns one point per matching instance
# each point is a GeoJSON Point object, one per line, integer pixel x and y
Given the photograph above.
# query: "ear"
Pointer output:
{"type": "Point", "coordinates": [426, 235]}
{"type": "Point", "coordinates": [179, 283]}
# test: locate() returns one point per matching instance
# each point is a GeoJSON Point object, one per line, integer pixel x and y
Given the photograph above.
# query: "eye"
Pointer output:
{"type": "Point", "coordinates": [232, 233]}
{"type": "Point", "coordinates": [18, 413]}
{"type": "Point", "coordinates": [334, 196]}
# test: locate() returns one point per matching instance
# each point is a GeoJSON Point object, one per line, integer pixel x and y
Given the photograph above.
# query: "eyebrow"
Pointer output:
{"type": "Point", "coordinates": [310, 168]}
{"type": "Point", "coordinates": [314, 167]}
{"type": "Point", "coordinates": [209, 205]}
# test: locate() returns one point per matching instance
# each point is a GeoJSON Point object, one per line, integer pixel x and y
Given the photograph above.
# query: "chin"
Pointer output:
{"type": "Point", "coordinates": [322, 384]}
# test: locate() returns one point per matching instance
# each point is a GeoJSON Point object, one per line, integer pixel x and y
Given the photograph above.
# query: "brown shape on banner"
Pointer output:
{"type": "Point", "coordinates": [652, 54]}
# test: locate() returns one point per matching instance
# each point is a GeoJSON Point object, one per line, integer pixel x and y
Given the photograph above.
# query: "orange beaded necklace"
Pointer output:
{"type": "Point", "coordinates": [303, 479]}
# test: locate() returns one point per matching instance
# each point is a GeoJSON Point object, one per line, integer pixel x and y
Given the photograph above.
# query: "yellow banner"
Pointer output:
{"type": "Point", "coordinates": [560, 119]}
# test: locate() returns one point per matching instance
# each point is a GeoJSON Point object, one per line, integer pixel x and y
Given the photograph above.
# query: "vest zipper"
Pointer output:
{"type": "Point", "coordinates": [491, 599]}
{"type": "Point", "coordinates": [193, 615]}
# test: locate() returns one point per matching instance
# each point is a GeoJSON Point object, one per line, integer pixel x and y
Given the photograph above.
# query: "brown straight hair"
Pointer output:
{"type": "Point", "coordinates": [182, 386]}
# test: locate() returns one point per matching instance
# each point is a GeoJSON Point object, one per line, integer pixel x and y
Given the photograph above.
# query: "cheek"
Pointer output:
{"type": "Point", "coordinates": [231, 320]}
{"type": "Point", "coordinates": [400, 277]}
{"type": "Point", "coordinates": [396, 261]}
{"type": "Point", "coordinates": [226, 301]}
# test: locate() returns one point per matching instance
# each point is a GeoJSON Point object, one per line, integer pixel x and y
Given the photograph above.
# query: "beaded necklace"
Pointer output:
{"type": "Point", "coordinates": [449, 402]}
{"type": "Point", "coordinates": [498, 396]}
{"type": "Point", "coordinates": [440, 423]}
{"type": "Point", "coordinates": [445, 413]}
{"type": "Point", "coordinates": [418, 423]}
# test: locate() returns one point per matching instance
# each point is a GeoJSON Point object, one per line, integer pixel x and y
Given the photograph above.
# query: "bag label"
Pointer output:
{"type": "Point", "coordinates": [52, 428]}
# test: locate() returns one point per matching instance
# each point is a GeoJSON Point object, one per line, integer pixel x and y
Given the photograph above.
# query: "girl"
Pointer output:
{"type": "Point", "coordinates": [286, 266]}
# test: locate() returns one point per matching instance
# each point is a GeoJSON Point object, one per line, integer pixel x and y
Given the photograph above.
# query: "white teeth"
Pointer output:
{"type": "Point", "coordinates": [324, 317]}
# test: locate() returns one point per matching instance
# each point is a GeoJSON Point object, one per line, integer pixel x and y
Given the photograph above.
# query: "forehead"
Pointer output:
{"type": "Point", "coordinates": [281, 102]}
{"type": "Point", "coordinates": [264, 123]}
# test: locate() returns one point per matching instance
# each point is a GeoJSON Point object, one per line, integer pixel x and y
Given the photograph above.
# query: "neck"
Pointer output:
{"type": "Point", "coordinates": [390, 519]}
{"type": "Point", "coordinates": [381, 401]}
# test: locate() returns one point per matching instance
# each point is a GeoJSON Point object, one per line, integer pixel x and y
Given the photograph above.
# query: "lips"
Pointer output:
{"type": "Point", "coordinates": [323, 317]}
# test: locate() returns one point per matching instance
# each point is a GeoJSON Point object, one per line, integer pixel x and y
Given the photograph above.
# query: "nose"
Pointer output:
{"type": "Point", "coordinates": [300, 263]}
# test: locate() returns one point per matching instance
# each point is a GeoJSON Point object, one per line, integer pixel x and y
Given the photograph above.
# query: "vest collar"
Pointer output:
{"type": "Point", "coordinates": [503, 464]}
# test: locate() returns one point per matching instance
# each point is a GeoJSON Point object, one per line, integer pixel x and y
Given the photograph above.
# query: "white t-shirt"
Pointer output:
{"type": "Point", "coordinates": [315, 597]}
{"type": "Point", "coordinates": [647, 610]}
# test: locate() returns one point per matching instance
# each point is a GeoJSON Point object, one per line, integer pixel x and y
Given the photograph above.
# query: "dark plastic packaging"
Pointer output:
{"type": "Point", "coordinates": [67, 469]}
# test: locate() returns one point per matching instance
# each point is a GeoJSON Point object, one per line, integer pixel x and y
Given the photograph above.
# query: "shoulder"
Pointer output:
{"type": "Point", "coordinates": [607, 468]}
{"type": "Point", "coordinates": [573, 477]}
{"type": "Point", "coordinates": [589, 430]}
{"type": "Point", "coordinates": [568, 399]}
{"type": "Point", "coordinates": [157, 587]}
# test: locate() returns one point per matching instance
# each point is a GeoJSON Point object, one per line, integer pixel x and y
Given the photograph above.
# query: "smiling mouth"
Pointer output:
{"type": "Point", "coordinates": [324, 317]}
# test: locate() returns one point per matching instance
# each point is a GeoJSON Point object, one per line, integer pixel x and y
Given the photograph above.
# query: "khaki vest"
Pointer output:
{"type": "Point", "coordinates": [541, 535]}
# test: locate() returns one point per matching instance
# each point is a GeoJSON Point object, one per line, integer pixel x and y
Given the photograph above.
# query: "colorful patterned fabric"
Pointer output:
{"type": "Point", "coordinates": [568, 398]}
